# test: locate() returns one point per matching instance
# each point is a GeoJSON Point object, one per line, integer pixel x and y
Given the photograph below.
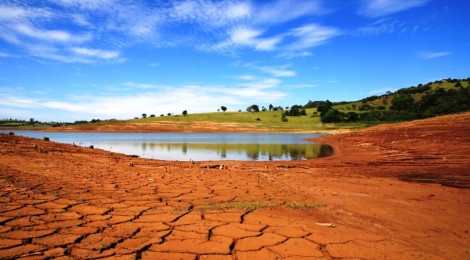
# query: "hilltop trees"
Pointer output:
{"type": "Point", "coordinates": [402, 102]}
{"type": "Point", "coordinates": [223, 108]}
{"type": "Point", "coordinates": [253, 108]}
{"type": "Point", "coordinates": [296, 110]}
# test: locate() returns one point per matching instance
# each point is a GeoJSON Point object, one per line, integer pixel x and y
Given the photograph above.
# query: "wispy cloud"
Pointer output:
{"type": "Point", "coordinates": [249, 37]}
{"type": "Point", "coordinates": [66, 28]}
{"type": "Point", "coordinates": [427, 55]}
{"type": "Point", "coordinates": [5, 55]}
{"type": "Point", "coordinates": [294, 54]}
{"type": "Point", "coordinates": [96, 53]}
{"type": "Point", "coordinates": [377, 8]}
{"type": "Point", "coordinates": [382, 26]}
{"type": "Point", "coordinates": [246, 77]}
{"type": "Point", "coordinates": [280, 71]}
{"type": "Point", "coordinates": [311, 35]}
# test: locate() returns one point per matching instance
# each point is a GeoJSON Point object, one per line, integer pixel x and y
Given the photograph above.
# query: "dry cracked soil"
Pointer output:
{"type": "Point", "coordinates": [397, 191]}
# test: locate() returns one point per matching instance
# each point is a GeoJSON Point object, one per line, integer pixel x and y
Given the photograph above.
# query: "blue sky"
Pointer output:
{"type": "Point", "coordinates": [67, 60]}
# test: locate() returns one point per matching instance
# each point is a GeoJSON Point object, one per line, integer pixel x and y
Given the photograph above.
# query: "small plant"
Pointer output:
{"type": "Point", "coordinates": [304, 205]}
{"type": "Point", "coordinates": [247, 206]}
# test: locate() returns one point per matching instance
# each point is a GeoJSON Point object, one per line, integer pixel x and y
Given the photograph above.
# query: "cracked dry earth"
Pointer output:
{"type": "Point", "coordinates": [83, 203]}
{"type": "Point", "coordinates": [65, 202]}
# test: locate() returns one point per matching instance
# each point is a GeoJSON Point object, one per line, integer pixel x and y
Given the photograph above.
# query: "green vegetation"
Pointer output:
{"type": "Point", "coordinates": [31, 124]}
{"type": "Point", "coordinates": [423, 101]}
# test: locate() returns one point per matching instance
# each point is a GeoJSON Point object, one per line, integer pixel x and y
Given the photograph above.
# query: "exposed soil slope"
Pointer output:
{"type": "Point", "coordinates": [64, 201]}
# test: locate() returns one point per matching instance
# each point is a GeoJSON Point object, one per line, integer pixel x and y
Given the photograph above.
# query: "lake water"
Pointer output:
{"type": "Point", "coordinates": [196, 146]}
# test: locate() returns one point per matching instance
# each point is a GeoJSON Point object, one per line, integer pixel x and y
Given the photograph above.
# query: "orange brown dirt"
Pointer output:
{"type": "Point", "coordinates": [397, 191]}
{"type": "Point", "coordinates": [175, 126]}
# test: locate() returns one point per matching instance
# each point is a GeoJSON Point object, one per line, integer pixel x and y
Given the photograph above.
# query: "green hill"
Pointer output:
{"type": "Point", "coordinates": [432, 99]}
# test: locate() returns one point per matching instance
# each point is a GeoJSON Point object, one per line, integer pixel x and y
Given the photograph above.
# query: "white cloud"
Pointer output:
{"type": "Point", "coordinates": [295, 54]}
{"type": "Point", "coordinates": [85, 4]}
{"type": "Point", "coordinates": [141, 85]}
{"type": "Point", "coordinates": [311, 35]}
{"type": "Point", "coordinates": [377, 8]}
{"type": "Point", "coordinates": [279, 71]}
{"type": "Point", "coordinates": [250, 37]}
{"type": "Point", "coordinates": [239, 10]}
{"type": "Point", "coordinates": [286, 10]}
{"type": "Point", "coordinates": [96, 53]}
{"type": "Point", "coordinates": [226, 26]}
{"type": "Point", "coordinates": [382, 26]}
{"type": "Point", "coordinates": [247, 77]}
{"type": "Point", "coordinates": [48, 35]}
{"type": "Point", "coordinates": [4, 55]}
{"type": "Point", "coordinates": [432, 55]}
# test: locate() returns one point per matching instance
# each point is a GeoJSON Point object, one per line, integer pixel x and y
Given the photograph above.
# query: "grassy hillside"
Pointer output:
{"type": "Point", "coordinates": [386, 100]}
{"type": "Point", "coordinates": [423, 101]}
{"type": "Point", "coordinates": [271, 120]}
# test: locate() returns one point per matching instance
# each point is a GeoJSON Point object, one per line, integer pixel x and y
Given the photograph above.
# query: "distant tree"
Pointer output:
{"type": "Point", "coordinates": [332, 116]}
{"type": "Point", "coordinates": [352, 116]}
{"type": "Point", "coordinates": [152, 115]}
{"type": "Point", "coordinates": [253, 108]}
{"type": "Point", "coordinates": [365, 107]}
{"type": "Point", "coordinates": [264, 109]}
{"type": "Point", "coordinates": [144, 115]}
{"type": "Point", "coordinates": [296, 110]}
{"type": "Point", "coordinates": [185, 113]}
{"type": "Point", "coordinates": [271, 107]}
{"type": "Point", "coordinates": [169, 114]}
{"type": "Point", "coordinates": [324, 107]}
{"type": "Point", "coordinates": [136, 118]}
{"type": "Point", "coordinates": [223, 108]}
{"type": "Point", "coordinates": [31, 120]}
{"type": "Point", "coordinates": [402, 102]}
{"type": "Point", "coordinates": [162, 115]}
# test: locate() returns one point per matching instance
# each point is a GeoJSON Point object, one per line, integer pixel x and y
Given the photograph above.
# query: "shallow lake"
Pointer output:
{"type": "Point", "coordinates": [196, 146]}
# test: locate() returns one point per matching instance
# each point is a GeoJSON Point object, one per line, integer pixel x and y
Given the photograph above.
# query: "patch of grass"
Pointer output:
{"type": "Point", "coordinates": [304, 205]}
{"type": "Point", "coordinates": [257, 205]}
{"type": "Point", "coordinates": [247, 206]}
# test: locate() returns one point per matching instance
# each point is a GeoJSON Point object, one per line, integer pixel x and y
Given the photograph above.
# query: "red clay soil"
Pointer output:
{"type": "Point", "coordinates": [397, 191]}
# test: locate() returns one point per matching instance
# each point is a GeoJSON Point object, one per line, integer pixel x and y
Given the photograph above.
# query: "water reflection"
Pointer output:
{"type": "Point", "coordinates": [224, 151]}
{"type": "Point", "coordinates": [197, 146]}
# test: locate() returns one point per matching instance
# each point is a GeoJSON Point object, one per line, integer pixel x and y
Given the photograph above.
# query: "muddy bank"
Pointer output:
{"type": "Point", "coordinates": [64, 201]}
